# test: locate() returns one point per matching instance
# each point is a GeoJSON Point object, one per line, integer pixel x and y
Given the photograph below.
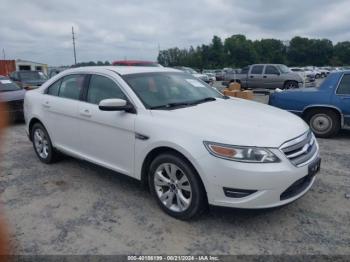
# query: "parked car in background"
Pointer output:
{"type": "Point", "coordinates": [231, 73]}
{"type": "Point", "coordinates": [315, 70]}
{"type": "Point", "coordinates": [135, 63]}
{"type": "Point", "coordinates": [28, 79]}
{"type": "Point", "coordinates": [55, 71]}
{"type": "Point", "coordinates": [219, 75]}
{"type": "Point", "coordinates": [12, 95]}
{"type": "Point", "coordinates": [326, 108]}
{"type": "Point", "coordinates": [193, 72]}
{"type": "Point", "coordinates": [167, 129]}
{"type": "Point", "coordinates": [267, 76]}
{"type": "Point", "coordinates": [305, 74]}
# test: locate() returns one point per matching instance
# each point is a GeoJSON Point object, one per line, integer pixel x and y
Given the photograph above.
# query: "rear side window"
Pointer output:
{"type": "Point", "coordinates": [344, 86]}
{"type": "Point", "coordinates": [71, 86]}
{"type": "Point", "coordinates": [257, 70]}
{"type": "Point", "coordinates": [54, 88]}
{"type": "Point", "coordinates": [102, 87]}
{"type": "Point", "coordinates": [271, 70]}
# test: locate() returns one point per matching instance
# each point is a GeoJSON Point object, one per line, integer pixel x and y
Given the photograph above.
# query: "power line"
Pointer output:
{"type": "Point", "coordinates": [73, 38]}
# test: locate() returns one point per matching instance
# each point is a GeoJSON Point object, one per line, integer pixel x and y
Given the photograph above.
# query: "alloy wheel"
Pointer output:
{"type": "Point", "coordinates": [172, 187]}
{"type": "Point", "coordinates": [41, 143]}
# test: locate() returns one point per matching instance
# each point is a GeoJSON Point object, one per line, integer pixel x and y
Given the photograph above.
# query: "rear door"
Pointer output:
{"type": "Point", "coordinates": [341, 99]}
{"type": "Point", "coordinates": [62, 105]}
{"type": "Point", "coordinates": [271, 77]}
{"type": "Point", "coordinates": [255, 77]}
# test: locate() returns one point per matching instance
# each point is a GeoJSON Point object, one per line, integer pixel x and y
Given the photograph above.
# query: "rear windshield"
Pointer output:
{"type": "Point", "coordinates": [8, 85]}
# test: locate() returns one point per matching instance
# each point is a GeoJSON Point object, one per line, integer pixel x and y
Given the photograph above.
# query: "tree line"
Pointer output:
{"type": "Point", "coordinates": [237, 51]}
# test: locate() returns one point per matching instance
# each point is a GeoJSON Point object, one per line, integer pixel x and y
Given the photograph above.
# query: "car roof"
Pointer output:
{"type": "Point", "coordinates": [125, 70]}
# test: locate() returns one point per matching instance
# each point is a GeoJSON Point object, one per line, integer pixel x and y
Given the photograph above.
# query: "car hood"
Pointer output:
{"type": "Point", "coordinates": [235, 121]}
{"type": "Point", "coordinates": [12, 95]}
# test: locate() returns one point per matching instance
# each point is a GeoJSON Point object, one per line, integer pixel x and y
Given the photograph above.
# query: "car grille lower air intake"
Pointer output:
{"type": "Point", "coordinates": [301, 150]}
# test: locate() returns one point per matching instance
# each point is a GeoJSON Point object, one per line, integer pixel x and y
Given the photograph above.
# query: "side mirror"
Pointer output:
{"type": "Point", "coordinates": [115, 104]}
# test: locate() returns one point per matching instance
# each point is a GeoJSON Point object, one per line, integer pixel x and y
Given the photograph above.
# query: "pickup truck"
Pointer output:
{"type": "Point", "coordinates": [326, 108]}
{"type": "Point", "coordinates": [267, 76]}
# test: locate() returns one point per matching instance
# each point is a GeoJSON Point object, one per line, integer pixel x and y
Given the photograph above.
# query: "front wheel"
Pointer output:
{"type": "Point", "coordinates": [324, 123]}
{"type": "Point", "coordinates": [176, 187]}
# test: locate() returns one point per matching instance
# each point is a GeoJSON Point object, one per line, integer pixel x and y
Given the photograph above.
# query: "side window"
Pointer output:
{"type": "Point", "coordinates": [344, 86]}
{"type": "Point", "coordinates": [102, 87]}
{"type": "Point", "coordinates": [54, 88]}
{"type": "Point", "coordinates": [271, 70]}
{"type": "Point", "coordinates": [257, 70]}
{"type": "Point", "coordinates": [71, 86]}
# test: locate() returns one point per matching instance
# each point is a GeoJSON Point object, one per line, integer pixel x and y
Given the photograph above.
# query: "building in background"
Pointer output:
{"type": "Point", "coordinates": [8, 66]}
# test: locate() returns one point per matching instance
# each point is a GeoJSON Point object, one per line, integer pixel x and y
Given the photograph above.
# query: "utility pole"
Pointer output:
{"type": "Point", "coordinates": [73, 38]}
{"type": "Point", "coordinates": [3, 53]}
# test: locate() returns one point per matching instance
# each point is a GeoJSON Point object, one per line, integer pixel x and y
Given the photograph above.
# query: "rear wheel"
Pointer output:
{"type": "Point", "coordinates": [42, 144]}
{"type": "Point", "coordinates": [176, 187]}
{"type": "Point", "coordinates": [324, 123]}
{"type": "Point", "coordinates": [290, 85]}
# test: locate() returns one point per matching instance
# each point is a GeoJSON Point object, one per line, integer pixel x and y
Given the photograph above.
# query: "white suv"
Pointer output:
{"type": "Point", "coordinates": [189, 143]}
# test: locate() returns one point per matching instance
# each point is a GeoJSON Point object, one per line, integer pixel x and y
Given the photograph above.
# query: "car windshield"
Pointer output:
{"type": "Point", "coordinates": [283, 68]}
{"type": "Point", "coordinates": [165, 89]}
{"type": "Point", "coordinates": [8, 85]}
{"type": "Point", "coordinates": [32, 75]}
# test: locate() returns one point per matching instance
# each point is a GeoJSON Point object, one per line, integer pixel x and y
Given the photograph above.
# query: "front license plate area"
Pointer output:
{"type": "Point", "coordinates": [314, 167]}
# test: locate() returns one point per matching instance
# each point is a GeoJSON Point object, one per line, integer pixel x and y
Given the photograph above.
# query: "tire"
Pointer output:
{"type": "Point", "coordinates": [42, 144]}
{"type": "Point", "coordinates": [182, 200]}
{"type": "Point", "coordinates": [290, 85]}
{"type": "Point", "coordinates": [323, 122]}
{"type": "Point", "coordinates": [317, 76]}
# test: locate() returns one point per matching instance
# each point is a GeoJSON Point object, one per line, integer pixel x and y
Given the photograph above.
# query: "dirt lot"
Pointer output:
{"type": "Point", "coordinates": [73, 207]}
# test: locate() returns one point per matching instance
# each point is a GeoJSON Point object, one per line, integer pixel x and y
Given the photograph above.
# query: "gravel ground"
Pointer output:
{"type": "Point", "coordinates": [73, 207]}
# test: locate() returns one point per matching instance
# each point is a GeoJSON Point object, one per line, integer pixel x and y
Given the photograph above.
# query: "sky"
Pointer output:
{"type": "Point", "coordinates": [40, 30]}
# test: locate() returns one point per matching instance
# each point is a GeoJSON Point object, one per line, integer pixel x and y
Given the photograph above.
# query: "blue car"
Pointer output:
{"type": "Point", "coordinates": [326, 108]}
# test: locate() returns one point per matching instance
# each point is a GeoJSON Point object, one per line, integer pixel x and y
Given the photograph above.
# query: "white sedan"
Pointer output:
{"type": "Point", "coordinates": [189, 143]}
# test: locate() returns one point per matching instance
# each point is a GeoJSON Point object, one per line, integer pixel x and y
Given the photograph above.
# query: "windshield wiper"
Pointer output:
{"type": "Point", "coordinates": [203, 100]}
{"type": "Point", "coordinates": [171, 105]}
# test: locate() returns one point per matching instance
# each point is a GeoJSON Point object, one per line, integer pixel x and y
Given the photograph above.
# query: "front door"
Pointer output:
{"type": "Point", "coordinates": [271, 78]}
{"type": "Point", "coordinates": [107, 137]}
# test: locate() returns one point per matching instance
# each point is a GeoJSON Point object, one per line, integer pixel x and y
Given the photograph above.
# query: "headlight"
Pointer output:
{"type": "Point", "coordinates": [241, 153]}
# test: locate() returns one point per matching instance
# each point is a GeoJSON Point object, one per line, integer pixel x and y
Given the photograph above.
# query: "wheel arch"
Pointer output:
{"type": "Point", "coordinates": [33, 121]}
{"type": "Point", "coordinates": [324, 107]}
{"type": "Point", "coordinates": [152, 154]}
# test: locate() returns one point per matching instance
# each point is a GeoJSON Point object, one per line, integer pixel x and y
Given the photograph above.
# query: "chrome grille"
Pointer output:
{"type": "Point", "coordinates": [301, 150]}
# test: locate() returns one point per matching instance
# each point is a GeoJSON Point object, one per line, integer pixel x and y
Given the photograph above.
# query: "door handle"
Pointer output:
{"type": "Point", "coordinates": [251, 76]}
{"type": "Point", "coordinates": [264, 76]}
{"type": "Point", "coordinates": [85, 112]}
{"type": "Point", "coordinates": [46, 104]}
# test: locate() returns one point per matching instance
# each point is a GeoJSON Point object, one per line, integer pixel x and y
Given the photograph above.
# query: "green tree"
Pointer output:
{"type": "Point", "coordinates": [342, 53]}
{"type": "Point", "coordinates": [239, 51]}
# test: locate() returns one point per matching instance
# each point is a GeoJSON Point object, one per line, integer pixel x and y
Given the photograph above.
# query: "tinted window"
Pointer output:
{"type": "Point", "coordinates": [271, 70]}
{"type": "Point", "coordinates": [344, 86]}
{"type": "Point", "coordinates": [103, 88]}
{"type": "Point", "coordinates": [54, 88]}
{"type": "Point", "coordinates": [257, 70]}
{"type": "Point", "coordinates": [71, 86]}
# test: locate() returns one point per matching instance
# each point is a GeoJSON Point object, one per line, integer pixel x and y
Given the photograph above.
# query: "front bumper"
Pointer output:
{"type": "Point", "coordinates": [269, 181]}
